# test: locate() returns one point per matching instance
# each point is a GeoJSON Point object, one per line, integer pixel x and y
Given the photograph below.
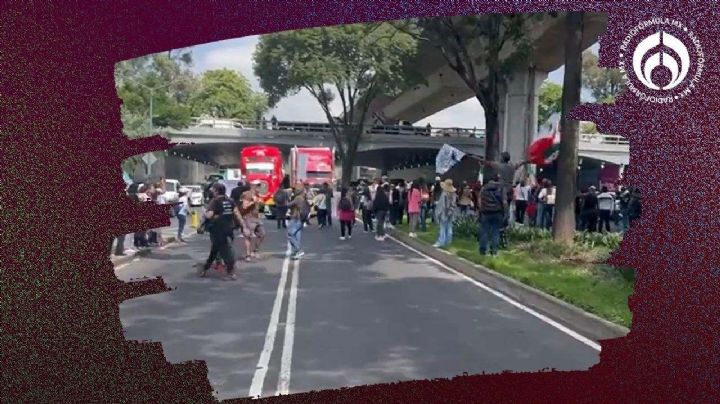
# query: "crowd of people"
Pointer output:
{"type": "Point", "coordinates": [495, 205]}
{"type": "Point", "coordinates": [155, 193]}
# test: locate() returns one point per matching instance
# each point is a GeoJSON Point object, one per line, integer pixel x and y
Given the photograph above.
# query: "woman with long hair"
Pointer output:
{"type": "Point", "coordinates": [414, 202]}
{"type": "Point", "coordinates": [346, 213]}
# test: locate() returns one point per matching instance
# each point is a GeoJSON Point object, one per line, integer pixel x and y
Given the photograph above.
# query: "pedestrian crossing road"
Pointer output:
{"type": "Point", "coordinates": [348, 313]}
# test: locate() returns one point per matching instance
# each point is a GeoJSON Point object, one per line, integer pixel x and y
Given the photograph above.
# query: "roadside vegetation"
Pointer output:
{"type": "Point", "coordinates": [576, 274]}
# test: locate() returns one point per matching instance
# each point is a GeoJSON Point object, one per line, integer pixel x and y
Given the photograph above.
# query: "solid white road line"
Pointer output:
{"type": "Point", "coordinates": [262, 367]}
{"type": "Point", "coordinates": [286, 361]}
{"type": "Point", "coordinates": [519, 305]}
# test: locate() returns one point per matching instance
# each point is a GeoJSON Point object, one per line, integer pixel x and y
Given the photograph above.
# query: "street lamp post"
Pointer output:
{"type": "Point", "coordinates": [152, 94]}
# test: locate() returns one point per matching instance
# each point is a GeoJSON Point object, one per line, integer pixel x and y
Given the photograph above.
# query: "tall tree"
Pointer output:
{"type": "Point", "coordinates": [550, 101]}
{"type": "Point", "coordinates": [227, 94]}
{"type": "Point", "coordinates": [564, 220]}
{"type": "Point", "coordinates": [483, 50]}
{"type": "Point", "coordinates": [164, 77]}
{"type": "Point", "coordinates": [604, 84]}
{"type": "Point", "coordinates": [350, 64]}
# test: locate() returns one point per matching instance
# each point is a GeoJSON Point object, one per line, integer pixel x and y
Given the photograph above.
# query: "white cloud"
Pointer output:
{"type": "Point", "coordinates": [467, 114]}
{"type": "Point", "coordinates": [236, 54]}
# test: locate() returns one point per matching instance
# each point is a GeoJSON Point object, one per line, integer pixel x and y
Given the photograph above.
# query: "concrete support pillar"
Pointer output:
{"type": "Point", "coordinates": [519, 111]}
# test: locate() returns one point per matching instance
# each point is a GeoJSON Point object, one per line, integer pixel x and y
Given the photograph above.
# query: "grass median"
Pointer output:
{"type": "Point", "coordinates": [575, 274]}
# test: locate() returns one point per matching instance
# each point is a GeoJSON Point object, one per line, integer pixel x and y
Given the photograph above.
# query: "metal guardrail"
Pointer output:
{"type": "Point", "coordinates": [316, 127]}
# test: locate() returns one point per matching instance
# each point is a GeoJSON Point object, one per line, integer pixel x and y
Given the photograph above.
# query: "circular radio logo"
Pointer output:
{"type": "Point", "coordinates": [662, 60]}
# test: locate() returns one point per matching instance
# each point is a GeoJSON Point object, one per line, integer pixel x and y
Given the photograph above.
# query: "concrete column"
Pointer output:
{"type": "Point", "coordinates": [519, 111]}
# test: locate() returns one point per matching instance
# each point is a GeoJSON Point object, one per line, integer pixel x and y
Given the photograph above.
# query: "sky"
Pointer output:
{"type": "Point", "coordinates": [237, 53]}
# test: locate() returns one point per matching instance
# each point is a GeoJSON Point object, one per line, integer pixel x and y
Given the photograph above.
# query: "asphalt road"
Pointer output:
{"type": "Point", "coordinates": [349, 313]}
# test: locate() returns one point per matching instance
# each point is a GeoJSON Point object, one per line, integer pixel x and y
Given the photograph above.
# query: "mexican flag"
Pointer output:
{"type": "Point", "coordinates": [546, 146]}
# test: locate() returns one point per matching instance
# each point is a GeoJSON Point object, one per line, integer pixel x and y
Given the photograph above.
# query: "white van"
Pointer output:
{"type": "Point", "coordinates": [172, 191]}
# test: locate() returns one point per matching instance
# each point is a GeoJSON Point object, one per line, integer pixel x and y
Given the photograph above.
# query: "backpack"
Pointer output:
{"type": "Point", "coordinates": [345, 204]}
{"type": "Point", "coordinates": [491, 199]}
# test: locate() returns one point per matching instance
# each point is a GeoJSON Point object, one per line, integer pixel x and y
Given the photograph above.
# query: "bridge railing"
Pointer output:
{"type": "Point", "coordinates": [320, 127]}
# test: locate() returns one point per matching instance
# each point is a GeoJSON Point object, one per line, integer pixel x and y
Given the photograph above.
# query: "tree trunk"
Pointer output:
{"type": "Point", "coordinates": [564, 221]}
{"type": "Point", "coordinates": [492, 138]}
{"type": "Point", "coordinates": [348, 163]}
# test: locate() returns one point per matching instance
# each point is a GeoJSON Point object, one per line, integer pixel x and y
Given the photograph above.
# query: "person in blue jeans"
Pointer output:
{"type": "Point", "coordinates": [492, 207]}
{"type": "Point", "coordinates": [182, 212]}
{"type": "Point", "coordinates": [445, 213]}
{"type": "Point", "coordinates": [298, 209]}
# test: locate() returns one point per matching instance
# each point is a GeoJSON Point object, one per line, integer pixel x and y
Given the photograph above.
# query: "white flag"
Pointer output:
{"type": "Point", "coordinates": [447, 157]}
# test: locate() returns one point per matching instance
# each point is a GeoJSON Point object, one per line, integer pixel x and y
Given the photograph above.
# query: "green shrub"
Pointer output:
{"type": "Point", "coordinates": [465, 226]}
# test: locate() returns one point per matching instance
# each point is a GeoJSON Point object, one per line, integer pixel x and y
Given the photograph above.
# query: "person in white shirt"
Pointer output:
{"type": "Point", "coordinates": [182, 212]}
{"type": "Point", "coordinates": [547, 197]}
{"type": "Point", "coordinates": [606, 206]}
{"type": "Point", "coordinates": [522, 196]}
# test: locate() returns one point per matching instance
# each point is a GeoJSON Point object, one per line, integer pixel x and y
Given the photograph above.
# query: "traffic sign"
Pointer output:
{"type": "Point", "coordinates": [149, 160]}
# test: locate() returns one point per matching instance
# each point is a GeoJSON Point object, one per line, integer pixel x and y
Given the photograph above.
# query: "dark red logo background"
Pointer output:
{"type": "Point", "coordinates": [60, 114]}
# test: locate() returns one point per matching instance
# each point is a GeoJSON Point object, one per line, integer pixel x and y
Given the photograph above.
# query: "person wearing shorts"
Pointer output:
{"type": "Point", "coordinates": [253, 231]}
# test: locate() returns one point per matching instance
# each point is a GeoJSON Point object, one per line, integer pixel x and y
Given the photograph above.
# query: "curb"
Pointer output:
{"type": "Point", "coordinates": [573, 317]}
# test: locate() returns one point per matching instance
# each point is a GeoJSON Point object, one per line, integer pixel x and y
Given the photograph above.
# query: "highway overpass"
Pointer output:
{"type": "Point", "coordinates": [518, 101]}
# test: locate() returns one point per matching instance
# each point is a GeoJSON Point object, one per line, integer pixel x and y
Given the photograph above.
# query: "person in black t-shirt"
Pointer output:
{"type": "Point", "coordinates": [221, 213]}
{"type": "Point", "coordinates": [590, 210]}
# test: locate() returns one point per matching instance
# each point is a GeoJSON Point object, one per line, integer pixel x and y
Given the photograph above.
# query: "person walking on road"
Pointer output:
{"type": "Point", "coordinates": [346, 213]}
{"type": "Point", "coordinates": [414, 202]}
{"type": "Point", "coordinates": [381, 205]}
{"type": "Point", "coordinates": [492, 206]}
{"type": "Point", "coordinates": [366, 207]}
{"type": "Point", "coordinates": [281, 199]}
{"type": "Point", "coordinates": [320, 202]}
{"type": "Point", "coordinates": [298, 208]}
{"type": "Point", "coordinates": [253, 231]}
{"type": "Point", "coordinates": [328, 191]}
{"type": "Point", "coordinates": [445, 213]}
{"type": "Point", "coordinates": [220, 214]}
{"type": "Point", "coordinates": [606, 206]}
{"type": "Point", "coordinates": [182, 212]}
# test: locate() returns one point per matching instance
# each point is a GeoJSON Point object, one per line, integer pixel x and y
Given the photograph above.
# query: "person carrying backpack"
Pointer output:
{"type": "Point", "coordinates": [346, 214]}
{"type": "Point", "coordinates": [493, 206]}
{"type": "Point", "coordinates": [281, 199]}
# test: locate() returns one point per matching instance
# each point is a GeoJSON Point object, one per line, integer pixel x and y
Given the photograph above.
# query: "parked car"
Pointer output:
{"type": "Point", "coordinates": [195, 196]}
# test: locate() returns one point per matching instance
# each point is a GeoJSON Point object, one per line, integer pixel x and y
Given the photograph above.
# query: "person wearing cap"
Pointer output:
{"type": "Point", "coordinates": [445, 212]}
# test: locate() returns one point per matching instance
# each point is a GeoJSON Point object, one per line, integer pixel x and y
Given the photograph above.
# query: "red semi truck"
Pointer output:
{"type": "Point", "coordinates": [263, 163]}
{"type": "Point", "coordinates": [312, 165]}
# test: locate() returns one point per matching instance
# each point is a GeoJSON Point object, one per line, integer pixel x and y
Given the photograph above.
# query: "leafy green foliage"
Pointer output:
{"type": "Point", "coordinates": [604, 84]}
{"type": "Point", "coordinates": [225, 93]}
{"type": "Point", "coordinates": [550, 101]}
{"type": "Point", "coordinates": [465, 226]}
{"type": "Point", "coordinates": [353, 64]}
{"type": "Point", "coordinates": [480, 40]}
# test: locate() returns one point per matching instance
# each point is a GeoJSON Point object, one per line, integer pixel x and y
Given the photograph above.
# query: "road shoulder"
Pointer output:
{"type": "Point", "coordinates": [587, 324]}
